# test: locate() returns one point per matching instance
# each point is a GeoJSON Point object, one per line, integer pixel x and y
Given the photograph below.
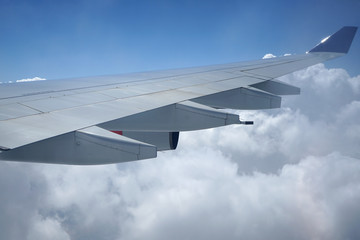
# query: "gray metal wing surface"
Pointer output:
{"type": "Point", "coordinates": [109, 119]}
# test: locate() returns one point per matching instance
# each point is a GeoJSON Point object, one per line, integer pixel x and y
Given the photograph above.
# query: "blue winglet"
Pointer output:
{"type": "Point", "coordinates": [339, 42]}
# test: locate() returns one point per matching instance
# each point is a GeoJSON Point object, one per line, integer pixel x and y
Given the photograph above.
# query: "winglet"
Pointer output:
{"type": "Point", "coordinates": [339, 42]}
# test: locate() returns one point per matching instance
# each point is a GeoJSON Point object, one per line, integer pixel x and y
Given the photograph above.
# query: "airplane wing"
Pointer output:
{"type": "Point", "coordinates": [111, 119]}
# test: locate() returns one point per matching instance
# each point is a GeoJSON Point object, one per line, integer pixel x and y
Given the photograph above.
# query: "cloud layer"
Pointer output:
{"type": "Point", "coordinates": [294, 174]}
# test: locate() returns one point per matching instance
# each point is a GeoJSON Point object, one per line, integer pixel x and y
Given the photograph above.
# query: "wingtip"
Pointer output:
{"type": "Point", "coordinates": [339, 42]}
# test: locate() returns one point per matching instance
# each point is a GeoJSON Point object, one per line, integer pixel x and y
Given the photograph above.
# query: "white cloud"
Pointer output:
{"type": "Point", "coordinates": [31, 79]}
{"type": "Point", "coordinates": [199, 194]}
{"type": "Point", "coordinates": [268, 55]}
{"type": "Point", "coordinates": [293, 175]}
{"type": "Point", "coordinates": [204, 197]}
{"type": "Point", "coordinates": [46, 228]}
{"type": "Point", "coordinates": [355, 83]}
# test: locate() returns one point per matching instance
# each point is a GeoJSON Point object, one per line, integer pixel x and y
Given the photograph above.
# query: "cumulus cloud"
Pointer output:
{"type": "Point", "coordinates": [205, 197]}
{"type": "Point", "coordinates": [268, 55]}
{"type": "Point", "coordinates": [293, 175]}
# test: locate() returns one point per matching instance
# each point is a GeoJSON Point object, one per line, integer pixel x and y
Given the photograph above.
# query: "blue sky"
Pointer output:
{"type": "Point", "coordinates": [60, 39]}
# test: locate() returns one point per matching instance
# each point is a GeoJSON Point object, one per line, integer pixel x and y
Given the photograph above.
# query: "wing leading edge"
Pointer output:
{"type": "Point", "coordinates": [130, 117]}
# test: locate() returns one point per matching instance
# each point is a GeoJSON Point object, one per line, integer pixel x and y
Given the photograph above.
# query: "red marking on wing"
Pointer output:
{"type": "Point", "coordinates": [118, 132]}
